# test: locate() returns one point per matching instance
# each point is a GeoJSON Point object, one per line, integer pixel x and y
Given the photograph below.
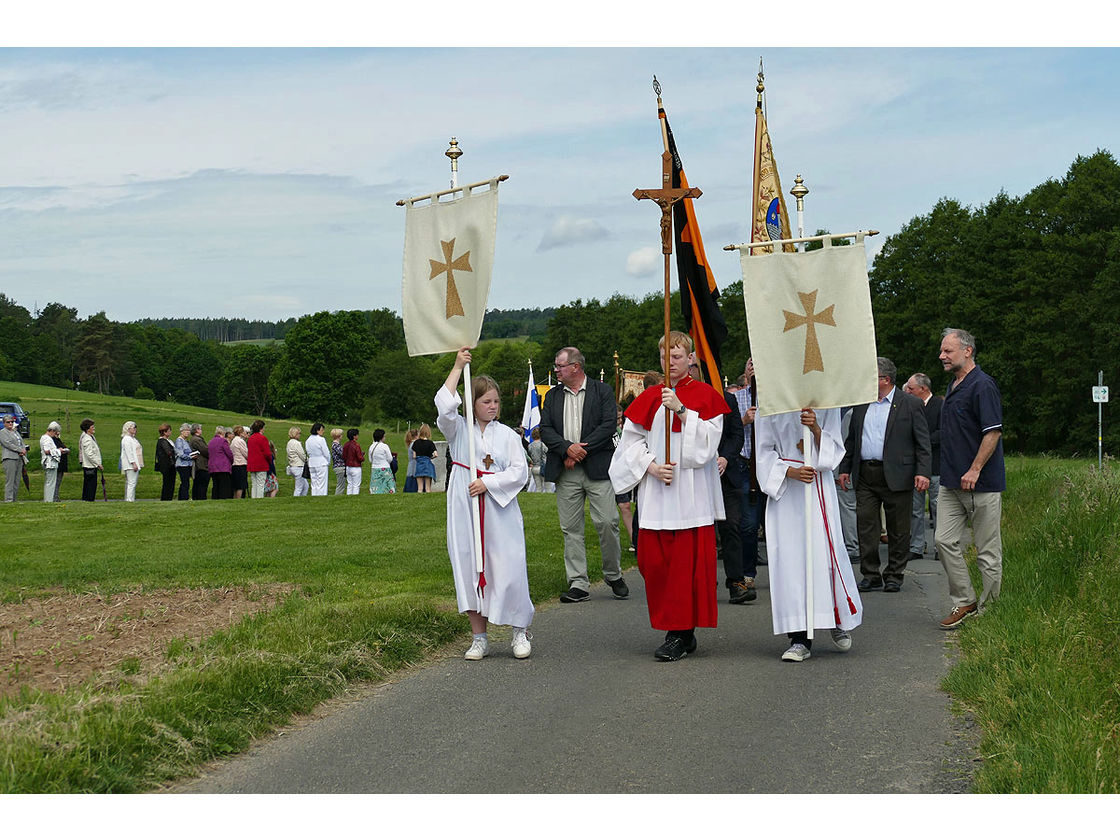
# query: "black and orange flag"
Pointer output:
{"type": "Point", "coordinates": [699, 295]}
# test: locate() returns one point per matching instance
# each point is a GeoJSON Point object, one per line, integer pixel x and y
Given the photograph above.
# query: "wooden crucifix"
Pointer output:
{"type": "Point", "coordinates": [666, 197]}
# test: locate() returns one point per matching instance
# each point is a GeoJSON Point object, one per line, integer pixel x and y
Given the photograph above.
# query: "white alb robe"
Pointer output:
{"type": "Point", "coordinates": [506, 596]}
{"type": "Point", "coordinates": [834, 583]}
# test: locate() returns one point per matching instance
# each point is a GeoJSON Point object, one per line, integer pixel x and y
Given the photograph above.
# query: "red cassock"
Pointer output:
{"type": "Point", "coordinates": [676, 536]}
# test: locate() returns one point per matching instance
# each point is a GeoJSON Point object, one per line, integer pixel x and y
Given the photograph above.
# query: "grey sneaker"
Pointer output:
{"type": "Point", "coordinates": [796, 653]}
{"type": "Point", "coordinates": [842, 639]}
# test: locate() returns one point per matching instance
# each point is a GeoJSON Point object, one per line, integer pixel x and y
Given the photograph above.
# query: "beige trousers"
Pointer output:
{"type": "Point", "coordinates": [956, 509]}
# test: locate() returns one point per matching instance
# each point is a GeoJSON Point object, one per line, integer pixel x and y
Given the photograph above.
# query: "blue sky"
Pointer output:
{"type": "Point", "coordinates": [261, 183]}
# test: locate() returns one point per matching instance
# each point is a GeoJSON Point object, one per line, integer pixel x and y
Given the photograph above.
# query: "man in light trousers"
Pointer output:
{"type": "Point", "coordinates": [972, 477]}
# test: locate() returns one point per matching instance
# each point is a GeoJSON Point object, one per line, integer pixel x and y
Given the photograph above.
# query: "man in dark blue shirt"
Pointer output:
{"type": "Point", "coordinates": [972, 476]}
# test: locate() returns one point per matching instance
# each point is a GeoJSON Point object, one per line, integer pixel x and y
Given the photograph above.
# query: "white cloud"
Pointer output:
{"type": "Point", "coordinates": [568, 230]}
{"type": "Point", "coordinates": [643, 262]}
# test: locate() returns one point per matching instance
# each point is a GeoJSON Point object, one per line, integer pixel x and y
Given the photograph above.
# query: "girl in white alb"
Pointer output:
{"type": "Point", "coordinates": [500, 593]}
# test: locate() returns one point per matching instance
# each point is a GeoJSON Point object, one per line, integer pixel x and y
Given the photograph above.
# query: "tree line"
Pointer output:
{"type": "Point", "coordinates": [1036, 279]}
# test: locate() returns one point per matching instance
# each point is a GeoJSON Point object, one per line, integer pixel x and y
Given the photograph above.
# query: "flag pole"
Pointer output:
{"type": "Point", "coordinates": [756, 235]}
{"type": "Point", "coordinates": [454, 153]}
{"type": "Point", "coordinates": [667, 250]}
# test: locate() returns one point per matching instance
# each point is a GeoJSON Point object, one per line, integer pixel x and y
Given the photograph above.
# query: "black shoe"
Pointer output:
{"type": "Point", "coordinates": [619, 588]}
{"type": "Point", "coordinates": [865, 585]}
{"type": "Point", "coordinates": [914, 555]}
{"type": "Point", "coordinates": [741, 591]}
{"type": "Point", "coordinates": [674, 648]}
{"type": "Point", "coordinates": [892, 586]}
{"type": "Point", "coordinates": [573, 596]}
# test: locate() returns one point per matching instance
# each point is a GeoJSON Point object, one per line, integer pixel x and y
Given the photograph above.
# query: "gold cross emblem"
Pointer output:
{"type": "Point", "coordinates": [488, 461]}
{"type": "Point", "coordinates": [448, 267]}
{"type": "Point", "coordinates": [809, 320]}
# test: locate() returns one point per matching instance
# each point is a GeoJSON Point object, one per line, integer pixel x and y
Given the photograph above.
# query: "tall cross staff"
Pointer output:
{"type": "Point", "coordinates": [666, 197]}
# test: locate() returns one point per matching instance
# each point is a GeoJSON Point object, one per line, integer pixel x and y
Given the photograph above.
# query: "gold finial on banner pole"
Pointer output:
{"type": "Point", "coordinates": [799, 191]}
{"type": "Point", "coordinates": [454, 152]}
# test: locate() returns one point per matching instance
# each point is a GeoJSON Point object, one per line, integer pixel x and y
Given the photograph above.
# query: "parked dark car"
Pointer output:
{"type": "Point", "coordinates": [23, 420]}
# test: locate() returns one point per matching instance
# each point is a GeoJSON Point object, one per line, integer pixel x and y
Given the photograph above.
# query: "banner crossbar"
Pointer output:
{"type": "Point", "coordinates": [434, 197]}
{"type": "Point", "coordinates": [824, 237]}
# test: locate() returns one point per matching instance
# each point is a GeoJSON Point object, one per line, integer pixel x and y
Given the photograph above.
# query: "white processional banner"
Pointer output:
{"type": "Point", "coordinates": [448, 257]}
{"type": "Point", "coordinates": [812, 332]}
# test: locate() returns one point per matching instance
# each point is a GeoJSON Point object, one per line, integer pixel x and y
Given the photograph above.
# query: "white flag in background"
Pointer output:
{"type": "Point", "coordinates": [812, 333]}
{"type": "Point", "coordinates": [448, 256]}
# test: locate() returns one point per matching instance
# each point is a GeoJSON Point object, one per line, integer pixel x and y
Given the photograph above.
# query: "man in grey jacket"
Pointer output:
{"type": "Point", "coordinates": [578, 422]}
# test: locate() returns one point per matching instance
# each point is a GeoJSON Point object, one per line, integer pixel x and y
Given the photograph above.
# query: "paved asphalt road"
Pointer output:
{"type": "Point", "coordinates": [593, 712]}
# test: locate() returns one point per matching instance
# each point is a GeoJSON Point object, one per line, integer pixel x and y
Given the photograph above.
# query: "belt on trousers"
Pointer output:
{"type": "Point", "coordinates": [873, 463]}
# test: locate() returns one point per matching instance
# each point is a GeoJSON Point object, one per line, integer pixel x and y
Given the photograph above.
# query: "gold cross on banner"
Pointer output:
{"type": "Point", "coordinates": [809, 320]}
{"type": "Point", "coordinates": [488, 461]}
{"type": "Point", "coordinates": [449, 266]}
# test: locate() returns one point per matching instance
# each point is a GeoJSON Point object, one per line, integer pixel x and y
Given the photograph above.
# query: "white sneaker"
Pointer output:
{"type": "Point", "coordinates": [478, 649]}
{"type": "Point", "coordinates": [842, 639]}
{"type": "Point", "coordinates": [796, 653]}
{"type": "Point", "coordinates": [520, 643]}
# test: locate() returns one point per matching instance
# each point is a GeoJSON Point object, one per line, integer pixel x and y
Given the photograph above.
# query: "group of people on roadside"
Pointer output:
{"type": "Point", "coordinates": [719, 463]}
{"type": "Point", "coordinates": [236, 462]}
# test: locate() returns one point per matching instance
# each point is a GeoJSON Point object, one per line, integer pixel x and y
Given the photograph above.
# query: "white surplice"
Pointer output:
{"type": "Point", "coordinates": [834, 583]}
{"type": "Point", "coordinates": [506, 596]}
{"type": "Point", "coordinates": [694, 498]}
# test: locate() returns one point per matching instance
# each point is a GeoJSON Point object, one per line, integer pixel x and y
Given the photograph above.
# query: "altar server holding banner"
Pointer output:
{"type": "Point", "coordinates": [448, 257]}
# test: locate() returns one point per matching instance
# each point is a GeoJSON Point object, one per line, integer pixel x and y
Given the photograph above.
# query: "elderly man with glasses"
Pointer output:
{"type": "Point", "coordinates": [578, 422]}
{"type": "Point", "coordinates": [13, 457]}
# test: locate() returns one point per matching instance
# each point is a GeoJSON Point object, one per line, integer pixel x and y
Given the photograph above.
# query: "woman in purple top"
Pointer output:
{"type": "Point", "coordinates": [221, 465]}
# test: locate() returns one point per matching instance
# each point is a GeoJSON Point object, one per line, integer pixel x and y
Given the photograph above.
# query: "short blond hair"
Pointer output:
{"type": "Point", "coordinates": [676, 339]}
{"type": "Point", "coordinates": [294, 432]}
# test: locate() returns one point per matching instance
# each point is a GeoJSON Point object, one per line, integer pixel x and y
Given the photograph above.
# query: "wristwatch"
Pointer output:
{"type": "Point", "coordinates": [681, 411]}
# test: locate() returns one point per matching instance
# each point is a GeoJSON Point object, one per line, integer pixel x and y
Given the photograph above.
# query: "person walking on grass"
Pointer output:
{"type": "Point", "coordinates": [51, 453]}
{"type": "Point", "coordinates": [425, 451]}
{"type": "Point", "coordinates": [132, 460]}
{"type": "Point", "coordinates": [89, 456]}
{"type": "Point", "coordinates": [14, 452]}
{"type": "Point", "coordinates": [353, 457]}
{"type": "Point", "coordinates": [184, 461]}
{"type": "Point", "coordinates": [500, 593]}
{"type": "Point", "coordinates": [297, 460]}
{"type": "Point", "coordinates": [259, 454]}
{"type": "Point", "coordinates": [318, 460]}
{"type": "Point", "coordinates": [380, 461]}
{"type": "Point", "coordinates": [165, 462]}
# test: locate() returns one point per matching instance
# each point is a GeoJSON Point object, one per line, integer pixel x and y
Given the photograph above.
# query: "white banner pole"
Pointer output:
{"type": "Point", "coordinates": [807, 447]}
{"type": "Point", "coordinates": [476, 516]}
